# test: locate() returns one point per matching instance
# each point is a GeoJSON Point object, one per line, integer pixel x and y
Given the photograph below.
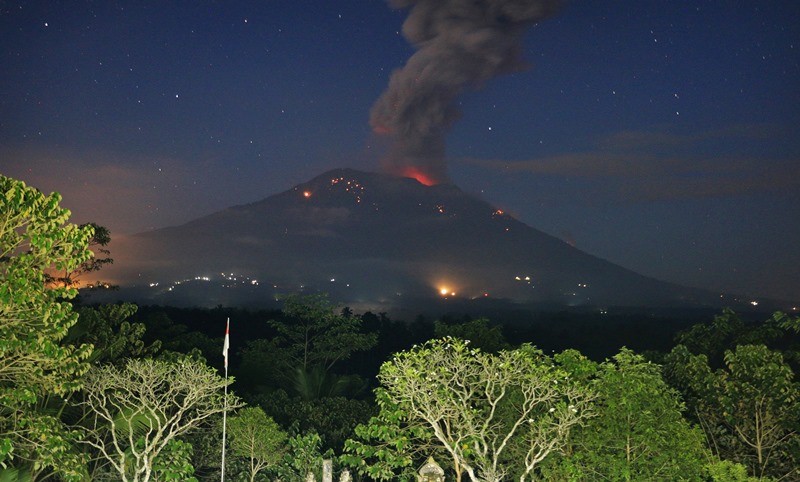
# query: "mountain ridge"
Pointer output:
{"type": "Point", "coordinates": [369, 236]}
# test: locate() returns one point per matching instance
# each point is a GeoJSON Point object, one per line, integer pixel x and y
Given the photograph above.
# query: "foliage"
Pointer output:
{"type": "Point", "coordinates": [164, 333]}
{"type": "Point", "coordinates": [34, 237]}
{"type": "Point", "coordinates": [388, 445]}
{"type": "Point", "coordinates": [749, 408]}
{"type": "Point", "coordinates": [314, 334]}
{"type": "Point", "coordinates": [638, 433]}
{"type": "Point", "coordinates": [317, 383]}
{"type": "Point", "coordinates": [69, 276]}
{"type": "Point", "coordinates": [475, 404]}
{"type": "Point", "coordinates": [759, 402]}
{"type": "Point", "coordinates": [174, 462]}
{"type": "Point", "coordinates": [727, 331]}
{"type": "Point", "coordinates": [786, 322]}
{"type": "Point", "coordinates": [303, 457]}
{"type": "Point", "coordinates": [256, 437]}
{"type": "Point", "coordinates": [727, 471]}
{"type": "Point", "coordinates": [108, 329]}
{"type": "Point", "coordinates": [206, 443]}
{"type": "Point", "coordinates": [332, 418]}
{"type": "Point", "coordinates": [478, 331]}
{"type": "Point", "coordinates": [264, 365]}
{"type": "Point", "coordinates": [154, 401]}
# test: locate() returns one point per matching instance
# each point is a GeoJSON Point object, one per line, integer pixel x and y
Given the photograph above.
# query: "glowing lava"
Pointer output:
{"type": "Point", "coordinates": [306, 194]}
{"type": "Point", "coordinates": [416, 173]}
{"type": "Point", "coordinates": [444, 291]}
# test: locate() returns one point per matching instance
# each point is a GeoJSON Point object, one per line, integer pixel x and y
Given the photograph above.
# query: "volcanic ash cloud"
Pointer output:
{"type": "Point", "coordinates": [460, 44]}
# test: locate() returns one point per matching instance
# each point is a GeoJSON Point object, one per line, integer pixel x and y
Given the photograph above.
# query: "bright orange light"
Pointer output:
{"type": "Point", "coordinates": [415, 173]}
{"type": "Point", "coordinates": [445, 291]}
{"type": "Point", "coordinates": [307, 194]}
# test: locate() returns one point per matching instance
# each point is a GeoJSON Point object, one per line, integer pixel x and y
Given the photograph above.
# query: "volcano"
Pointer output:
{"type": "Point", "coordinates": [370, 237]}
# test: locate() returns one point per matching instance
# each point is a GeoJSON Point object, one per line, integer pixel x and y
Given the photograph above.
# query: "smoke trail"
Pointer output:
{"type": "Point", "coordinates": [460, 44]}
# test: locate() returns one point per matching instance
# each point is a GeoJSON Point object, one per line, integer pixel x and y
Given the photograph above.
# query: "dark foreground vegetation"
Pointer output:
{"type": "Point", "coordinates": [120, 392]}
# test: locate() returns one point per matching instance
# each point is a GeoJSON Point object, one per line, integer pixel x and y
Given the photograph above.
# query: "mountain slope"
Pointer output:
{"type": "Point", "coordinates": [368, 236]}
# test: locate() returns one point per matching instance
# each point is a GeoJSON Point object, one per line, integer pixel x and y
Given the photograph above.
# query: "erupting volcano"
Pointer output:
{"type": "Point", "coordinates": [383, 240]}
{"type": "Point", "coordinates": [415, 173]}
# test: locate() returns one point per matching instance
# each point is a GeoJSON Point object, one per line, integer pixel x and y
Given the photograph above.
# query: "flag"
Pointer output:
{"type": "Point", "coordinates": [227, 343]}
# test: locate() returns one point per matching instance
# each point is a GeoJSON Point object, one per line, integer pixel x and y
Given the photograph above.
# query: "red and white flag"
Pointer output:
{"type": "Point", "coordinates": [227, 343]}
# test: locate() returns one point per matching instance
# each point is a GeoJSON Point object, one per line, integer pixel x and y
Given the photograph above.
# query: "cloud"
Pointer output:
{"type": "Point", "coordinates": [125, 192]}
{"type": "Point", "coordinates": [630, 140]}
{"type": "Point", "coordinates": [642, 165]}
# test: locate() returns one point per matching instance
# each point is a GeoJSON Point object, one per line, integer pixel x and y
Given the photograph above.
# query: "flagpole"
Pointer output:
{"type": "Point", "coordinates": [225, 411]}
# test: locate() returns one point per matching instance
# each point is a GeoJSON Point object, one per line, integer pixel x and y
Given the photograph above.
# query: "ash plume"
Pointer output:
{"type": "Point", "coordinates": [460, 44]}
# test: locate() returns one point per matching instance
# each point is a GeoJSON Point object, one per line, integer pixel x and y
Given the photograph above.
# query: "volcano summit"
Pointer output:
{"type": "Point", "coordinates": [375, 238]}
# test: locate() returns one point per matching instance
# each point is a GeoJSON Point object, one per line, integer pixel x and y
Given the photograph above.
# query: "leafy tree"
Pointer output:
{"type": "Point", "coordinates": [726, 331]}
{"type": "Point", "coordinates": [303, 457]}
{"type": "Point", "coordinates": [264, 366]}
{"type": "Point", "coordinates": [206, 442]}
{"type": "Point", "coordinates": [749, 408]}
{"type": "Point", "coordinates": [727, 471]}
{"type": "Point", "coordinates": [387, 446]}
{"type": "Point", "coordinates": [475, 403]}
{"type": "Point", "coordinates": [256, 437]}
{"type": "Point", "coordinates": [312, 333]}
{"type": "Point", "coordinates": [174, 462]}
{"type": "Point", "coordinates": [108, 329]}
{"type": "Point", "coordinates": [164, 333]}
{"type": "Point", "coordinates": [478, 331]}
{"type": "Point", "coordinates": [141, 408]}
{"type": "Point", "coordinates": [786, 322]}
{"type": "Point", "coordinates": [333, 418]}
{"type": "Point", "coordinates": [69, 277]}
{"type": "Point", "coordinates": [34, 237]}
{"type": "Point", "coordinates": [638, 432]}
{"type": "Point", "coordinates": [317, 383]}
{"type": "Point", "coordinates": [760, 404]}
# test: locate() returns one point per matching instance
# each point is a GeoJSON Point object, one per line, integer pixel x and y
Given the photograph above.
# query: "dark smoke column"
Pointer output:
{"type": "Point", "coordinates": [460, 44]}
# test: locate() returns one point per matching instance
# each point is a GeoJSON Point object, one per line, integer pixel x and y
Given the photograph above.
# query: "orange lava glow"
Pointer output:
{"type": "Point", "coordinates": [446, 292]}
{"type": "Point", "coordinates": [420, 176]}
{"type": "Point", "coordinates": [381, 130]}
{"type": "Point", "coordinates": [306, 193]}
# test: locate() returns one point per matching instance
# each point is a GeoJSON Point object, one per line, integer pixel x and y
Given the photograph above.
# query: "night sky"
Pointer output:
{"type": "Point", "coordinates": [660, 135]}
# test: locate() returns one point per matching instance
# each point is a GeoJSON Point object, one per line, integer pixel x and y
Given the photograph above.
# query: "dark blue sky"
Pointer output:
{"type": "Point", "coordinates": [663, 136]}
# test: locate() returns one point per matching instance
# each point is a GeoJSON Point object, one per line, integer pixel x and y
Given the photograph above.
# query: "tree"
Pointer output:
{"type": "Point", "coordinates": [726, 331]}
{"type": "Point", "coordinates": [386, 447]}
{"type": "Point", "coordinates": [256, 437]}
{"type": "Point", "coordinates": [108, 329]}
{"type": "Point", "coordinates": [142, 407]}
{"type": "Point", "coordinates": [316, 383]}
{"type": "Point", "coordinates": [749, 408]}
{"type": "Point", "coordinates": [477, 405]}
{"type": "Point", "coordinates": [760, 404]}
{"type": "Point", "coordinates": [478, 331]}
{"type": "Point", "coordinates": [314, 334]}
{"type": "Point", "coordinates": [302, 458]}
{"type": "Point", "coordinates": [69, 277]}
{"type": "Point", "coordinates": [638, 433]}
{"type": "Point", "coordinates": [35, 236]}
{"type": "Point", "coordinates": [727, 471]}
{"type": "Point", "coordinates": [333, 418]}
